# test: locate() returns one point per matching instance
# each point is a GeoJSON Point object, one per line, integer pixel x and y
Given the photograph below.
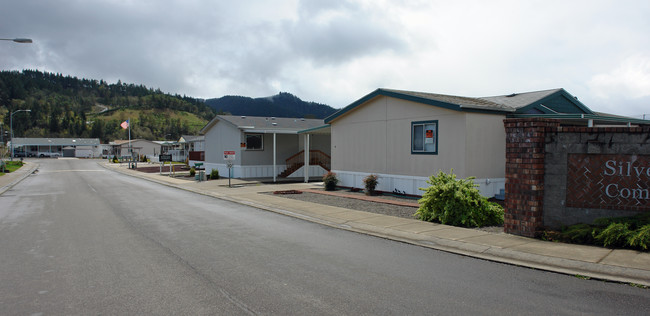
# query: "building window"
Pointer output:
{"type": "Point", "coordinates": [424, 137]}
{"type": "Point", "coordinates": [254, 141]}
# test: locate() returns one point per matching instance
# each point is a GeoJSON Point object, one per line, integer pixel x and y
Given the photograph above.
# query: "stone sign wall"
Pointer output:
{"type": "Point", "coordinates": [615, 182]}
{"type": "Point", "coordinates": [565, 175]}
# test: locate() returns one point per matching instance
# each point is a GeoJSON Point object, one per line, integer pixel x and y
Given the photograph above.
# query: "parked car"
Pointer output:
{"type": "Point", "coordinates": [18, 154]}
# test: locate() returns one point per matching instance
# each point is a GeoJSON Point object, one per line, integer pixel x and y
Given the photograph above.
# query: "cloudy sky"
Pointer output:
{"type": "Point", "coordinates": [335, 52]}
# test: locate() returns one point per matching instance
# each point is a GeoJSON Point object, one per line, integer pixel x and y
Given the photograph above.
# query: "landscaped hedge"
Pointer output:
{"type": "Point", "coordinates": [616, 232]}
{"type": "Point", "coordinates": [457, 202]}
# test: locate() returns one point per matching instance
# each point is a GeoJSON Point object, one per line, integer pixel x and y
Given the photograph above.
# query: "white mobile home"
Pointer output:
{"type": "Point", "coordinates": [264, 147]}
{"type": "Point", "coordinates": [136, 146]}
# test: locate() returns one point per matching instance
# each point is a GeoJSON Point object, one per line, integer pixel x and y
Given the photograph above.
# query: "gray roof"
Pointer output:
{"type": "Point", "coordinates": [519, 100]}
{"type": "Point", "coordinates": [193, 138]}
{"type": "Point", "coordinates": [270, 124]}
{"type": "Point", "coordinates": [466, 102]}
{"type": "Point", "coordinates": [55, 141]}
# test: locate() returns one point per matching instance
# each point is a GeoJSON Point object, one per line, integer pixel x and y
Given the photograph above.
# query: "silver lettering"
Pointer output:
{"type": "Point", "coordinates": [639, 194]}
{"type": "Point", "coordinates": [615, 188]}
{"type": "Point", "coordinates": [610, 167]}
{"type": "Point", "coordinates": [625, 193]}
{"type": "Point", "coordinates": [638, 173]}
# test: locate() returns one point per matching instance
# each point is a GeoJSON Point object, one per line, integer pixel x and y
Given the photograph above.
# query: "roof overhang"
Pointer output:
{"type": "Point", "coordinates": [269, 131]}
{"type": "Point", "coordinates": [415, 98]}
{"type": "Point", "coordinates": [583, 119]}
{"type": "Point", "coordinates": [320, 130]}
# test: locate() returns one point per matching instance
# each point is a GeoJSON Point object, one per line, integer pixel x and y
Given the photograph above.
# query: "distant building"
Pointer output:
{"type": "Point", "coordinates": [57, 147]}
{"type": "Point", "coordinates": [194, 147]}
{"type": "Point", "coordinates": [264, 147]}
{"type": "Point", "coordinates": [121, 148]}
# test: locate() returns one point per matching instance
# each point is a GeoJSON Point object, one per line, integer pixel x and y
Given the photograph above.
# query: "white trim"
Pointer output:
{"type": "Point", "coordinates": [259, 171]}
{"type": "Point", "coordinates": [410, 184]}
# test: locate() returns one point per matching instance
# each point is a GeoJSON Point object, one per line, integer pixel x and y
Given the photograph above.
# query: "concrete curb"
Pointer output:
{"type": "Point", "coordinates": [599, 271]}
{"type": "Point", "coordinates": [21, 177]}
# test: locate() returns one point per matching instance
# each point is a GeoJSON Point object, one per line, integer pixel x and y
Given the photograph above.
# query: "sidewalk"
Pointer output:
{"type": "Point", "coordinates": [619, 265]}
{"type": "Point", "coordinates": [10, 179]}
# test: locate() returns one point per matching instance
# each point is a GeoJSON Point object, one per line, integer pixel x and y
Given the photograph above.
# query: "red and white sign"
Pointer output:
{"type": "Point", "coordinates": [229, 155]}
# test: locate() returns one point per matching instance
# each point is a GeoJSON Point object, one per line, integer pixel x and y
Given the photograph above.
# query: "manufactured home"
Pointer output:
{"type": "Point", "coordinates": [265, 147]}
{"type": "Point", "coordinates": [404, 136]}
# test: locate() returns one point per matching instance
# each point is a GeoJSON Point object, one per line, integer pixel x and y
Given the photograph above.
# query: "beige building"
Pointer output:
{"type": "Point", "coordinates": [404, 137]}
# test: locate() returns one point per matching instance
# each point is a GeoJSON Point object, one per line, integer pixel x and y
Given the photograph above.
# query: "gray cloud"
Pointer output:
{"type": "Point", "coordinates": [336, 51]}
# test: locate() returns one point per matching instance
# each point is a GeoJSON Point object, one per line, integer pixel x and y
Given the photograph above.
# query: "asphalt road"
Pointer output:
{"type": "Point", "coordinates": [76, 239]}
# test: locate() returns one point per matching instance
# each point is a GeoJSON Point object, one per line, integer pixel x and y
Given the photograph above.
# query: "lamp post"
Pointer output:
{"type": "Point", "coordinates": [18, 40]}
{"type": "Point", "coordinates": [11, 126]}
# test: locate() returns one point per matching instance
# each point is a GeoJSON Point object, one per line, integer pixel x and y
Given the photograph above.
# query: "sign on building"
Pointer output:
{"type": "Point", "coordinates": [617, 182]}
{"type": "Point", "coordinates": [229, 155]}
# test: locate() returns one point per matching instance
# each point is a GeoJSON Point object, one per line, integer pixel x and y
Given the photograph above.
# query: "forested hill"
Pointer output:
{"type": "Point", "coordinates": [280, 105]}
{"type": "Point", "coordinates": [64, 106]}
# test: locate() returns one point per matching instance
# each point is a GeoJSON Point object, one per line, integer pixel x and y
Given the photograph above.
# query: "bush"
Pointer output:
{"type": "Point", "coordinates": [580, 234]}
{"type": "Point", "coordinates": [457, 202]}
{"type": "Point", "coordinates": [330, 181]}
{"type": "Point", "coordinates": [192, 171]}
{"type": "Point", "coordinates": [214, 174]}
{"type": "Point", "coordinates": [115, 160]}
{"type": "Point", "coordinates": [640, 238]}
{"type": "Point", "coordinates": [371, 183]}
{"type": "Point", "coordinates": [616, 232]}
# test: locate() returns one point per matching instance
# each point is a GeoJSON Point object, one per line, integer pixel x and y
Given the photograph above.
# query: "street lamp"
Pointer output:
{"type": "Point", "coordinates": [11, 126]}
{"type": "Point", "coordinates": [18, 40]}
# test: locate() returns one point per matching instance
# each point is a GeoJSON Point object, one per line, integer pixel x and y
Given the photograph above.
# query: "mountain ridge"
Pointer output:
{"type": "Point", "coordinates": [283, 104]}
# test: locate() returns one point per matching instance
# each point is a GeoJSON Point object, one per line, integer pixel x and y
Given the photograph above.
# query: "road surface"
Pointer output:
{"type": "Point", "coordinates": [79, 239]}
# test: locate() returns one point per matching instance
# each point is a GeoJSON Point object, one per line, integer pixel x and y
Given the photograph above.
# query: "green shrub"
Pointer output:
{"type": "Point", "coordinates": [370, 183]}
{"type": "Point", "coordinates": [115, 160]}
{"type": "Point", "coordinates": [330, 181]}
{"type": "Point", "coordinates": [457, 202]}
{"type": "Point", "coordinates": [616, 234]}
{"type": "Point", "coordinates": [192, 171]}
{"type": "Point", "coordinates": [640, 238]}
{"type": "Point", "coordinates": [214, 174]}
{"type": "Point", "coordinates": [579, 234]}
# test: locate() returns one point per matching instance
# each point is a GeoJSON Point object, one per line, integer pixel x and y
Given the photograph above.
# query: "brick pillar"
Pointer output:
{"type": "Point", "coordinates": [525, 148]}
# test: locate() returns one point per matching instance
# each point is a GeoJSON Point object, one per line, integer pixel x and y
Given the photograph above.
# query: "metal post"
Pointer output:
{"type": "Point", "coordinates": [11, 123]}
{"type": "Point", "coordinates": [11, 146]}
{"type": "Point", "coordinates": [307, 158]}
{"type": "Point", "coordinates": [275, 173]}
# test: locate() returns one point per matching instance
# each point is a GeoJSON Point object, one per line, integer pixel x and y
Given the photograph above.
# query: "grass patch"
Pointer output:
{"type": "Point", "coordinates": [10, 166]}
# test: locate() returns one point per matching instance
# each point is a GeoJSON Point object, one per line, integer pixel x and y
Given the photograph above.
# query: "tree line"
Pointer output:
{"type": "Point", "coordinates": [65, 106]}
